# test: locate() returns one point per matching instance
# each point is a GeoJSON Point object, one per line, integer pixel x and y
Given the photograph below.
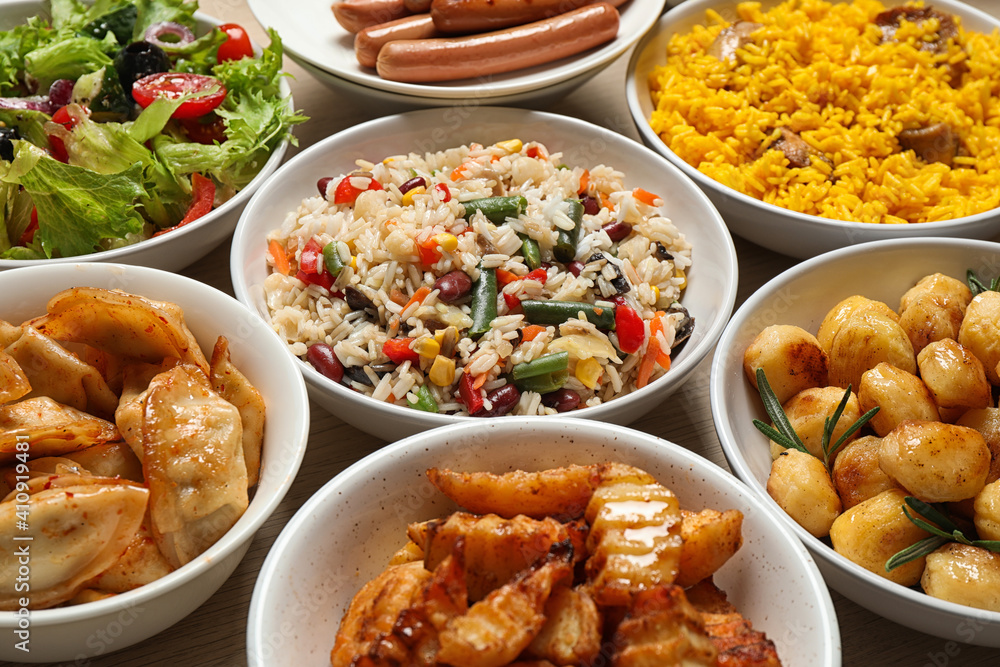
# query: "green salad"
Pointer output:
{"type": "Point", "coordinates": [118, 123]}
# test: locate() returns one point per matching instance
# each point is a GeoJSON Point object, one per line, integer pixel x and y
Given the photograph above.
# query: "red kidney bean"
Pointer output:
{"type": "Point", "coordinates": [324, 359]}
{"type": "Point", "coordinates": [453, 286]}
{"type": "Point", "coordinates": [413, 183]}
{"type": "Point", "coordinates": [617, 230]}
{"type": "Point", "coordinates": [563, 400]}
{"type": "Point", "coordinates": [575, 267]}
{"type": "Point", "coordinates": [590, 205]}
{"type": "Point", "coordinates": [503, 400]}
{"type": "Point", "coordinates": [322, 183]}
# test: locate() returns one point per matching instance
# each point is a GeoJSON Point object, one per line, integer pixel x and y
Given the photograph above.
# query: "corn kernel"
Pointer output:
{"type": "Point", "coordinates": [679, 273]}
{"type": "Point", "coordinates": [511, 145]}
{"type": "Point", "coordinates": [354, 262]}
{"type": "Point", "coordinates": [427, 347]}
{"type": "Point", "coordinates": [442, 372]}
{"type": "Point", "coordinates": [408, 195]}
{"type": "Point", "coordinates": [447, 242]}
{"type": "Point", "coordinates": [656, 293]}
{"type": "Point", "coordinates": [589, 371]}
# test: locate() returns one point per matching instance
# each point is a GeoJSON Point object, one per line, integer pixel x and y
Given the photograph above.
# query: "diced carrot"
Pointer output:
{"type": "Point", "coordinates": [459, 172]}
{"type": "Point", "coordinates": [584, 182]}
{"type": "Point", "coordinates": [645, 197]}
{"type": "Point", "coordinates": [532, 331]}
{"type": "Point", "coordinates": [277, 252]}
{"type": "Point", "coordinates": [655, 327]}
{"type": "Point", "coordinates": [505, 277]}
{"type": "Point", "coordinates": [397, 296]}
{"type": "Point", "coordinates": [606, 202]}
{"type": "Point", "coordinates": [648, 361]}
{"type": "Point", "coordinates": [479, 381]}
{"type": "Point", "coordinates": [418, 296]}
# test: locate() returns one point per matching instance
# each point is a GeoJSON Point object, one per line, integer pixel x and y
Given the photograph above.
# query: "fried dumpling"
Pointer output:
{"type": "Point", "coordinates": [49, 428]}
{"type": "Point", "coordinates": [76, 533]}
{"type": "Point", "coordinates": [132, 402]}
{"type": "Point", "coordinates": [61, 375]}
{"type": "Point", "coordinates": [142, 563]}
{"type": "Point", "coordinates": [192, 462]}
{"type": "Point", "coordinates": [111, 459]}
{"type": "Point", "coordinates": [14, 384]}
{"type": "Point", "coordinates": [233, 386]}
{"type": "Point", "coordinates": [122, 324]}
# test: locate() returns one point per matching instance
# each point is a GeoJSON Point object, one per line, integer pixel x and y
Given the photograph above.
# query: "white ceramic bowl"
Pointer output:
{"type": "Point", "coordinates": [344, 535]}
{"type": "Point", "coordinates": [788, 232]}
{"type": "Point", "coordinates": [181, 247]}
{"type": "Point", "coordinates": [314, 39]}
{"type": "Point", "coordinates": [95, 628]}
{"type": "Point", "coordinates": [802, 295]}
{"type": "Point", "coordinates": [709, 296]}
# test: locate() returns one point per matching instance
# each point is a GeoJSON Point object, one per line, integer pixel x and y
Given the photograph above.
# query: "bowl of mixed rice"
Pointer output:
{"type": "Point", "coordinates": [813, 124]}
{"type": "Point", "coordinates": [438, 264]}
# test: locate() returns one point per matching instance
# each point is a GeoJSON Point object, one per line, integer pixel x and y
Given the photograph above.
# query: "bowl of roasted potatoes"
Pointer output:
{"type": "Point", "coordinates": [149, 425]}
{"type": "Point", "coordinates": [538, 542]}
{"type": "Point", "coordinates": [856, 396]}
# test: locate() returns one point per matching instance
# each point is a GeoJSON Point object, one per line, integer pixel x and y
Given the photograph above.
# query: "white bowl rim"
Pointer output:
{"type": "Point", "coordinates": [737, 462]}
{"type": "Point", "coordinates": [210, 218]}
{"type": "Point", "coordinates": [595, 58]}
{"type": "Point", "coordinates": [694, 356]}
{"type": "Point", "coordinates": [718, 476]}
{"type": "Point", "coordinates": [632, 96]}
{"type": "Point", "coordinates": [233, 538]}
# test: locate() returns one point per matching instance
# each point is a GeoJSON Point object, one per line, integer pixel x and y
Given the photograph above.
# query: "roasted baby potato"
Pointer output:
{"type": "Point", "coordinates": [963, 574]}
{"type": "Point", "coordinates": [955, 377]}
{"type": "Point", "coordinates": [897, 394]}
{"type": "Point", "coordinates": [801, 486]}
{"type": "Point", "coordinates": [856, 473]}
{"type": "Point", "coordinates": [840, 313]}
{"type": "Point", "coordinates": [986, 510]}
{"type": "Point", "coordinates": [987, 422]}
{"type": "Point", "coordinates": [980, 331]}
{"type": "Point", "coordinates": [934, 461]}
{"type": "Point", "coordinates": [808, 410]}
{"type": "Point", "coordinates": [872, 532]}
{"type": "Point", "coordinates": [791, 358]}
{"type": "Point", "coordinates": [866, 338]}
{"type": "Point", "coordinates": [933, 309]}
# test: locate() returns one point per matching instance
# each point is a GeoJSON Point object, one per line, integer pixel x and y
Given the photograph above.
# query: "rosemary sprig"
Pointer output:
{"type": "Point", "coordinates": [784, 434]}
{"type": "Point", "coordinates": [977, 286]}
{"type": "Point", "coordinates": [942, 530]}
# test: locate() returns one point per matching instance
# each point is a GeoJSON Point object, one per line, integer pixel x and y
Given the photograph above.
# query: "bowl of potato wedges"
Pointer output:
{"type": "Point", "coordinates": [538, 542]}
{"type": "Point", "coordinates": [857, 398]}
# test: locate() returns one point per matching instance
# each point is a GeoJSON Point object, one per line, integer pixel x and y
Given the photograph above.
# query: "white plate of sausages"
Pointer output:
{"type": "Point", "coordinates": [457, 49]}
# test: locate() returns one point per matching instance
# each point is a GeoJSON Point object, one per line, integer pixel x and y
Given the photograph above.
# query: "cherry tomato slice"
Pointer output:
{"type": "Point", "coordinates": [207, 130]}
{"type": "Point", "coordinates": [237, 46]}
{"type": "Point", "coordinates": [173, 85]}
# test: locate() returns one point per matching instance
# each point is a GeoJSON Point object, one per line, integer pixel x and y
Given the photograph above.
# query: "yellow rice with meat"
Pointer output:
{"type": "Point", "coordinates": [850, 89]}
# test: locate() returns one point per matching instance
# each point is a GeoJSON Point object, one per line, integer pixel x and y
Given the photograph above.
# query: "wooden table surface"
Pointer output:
{"type": "Point", "coordinates": [216, 633]}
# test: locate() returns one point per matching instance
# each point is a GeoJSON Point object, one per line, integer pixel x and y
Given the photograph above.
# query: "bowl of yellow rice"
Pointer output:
{"type": "Point", "coordinates": [813, 125]}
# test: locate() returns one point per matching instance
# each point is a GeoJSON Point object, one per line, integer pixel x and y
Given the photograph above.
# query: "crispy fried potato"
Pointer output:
{"type": "Point", "coordinates": [80, 531]}
{"type": "Point", "coordinates": [374, 609]}
{"type": "Point", "coordinates": [232, 385]}
{"type": "Point", "coordinates": [125, 325]}
{"type": "Point", "coordinates": [634, 541]}
{"type": "Point", "coordinates": [498, 628]}
{"type": "Point", "coordinates": [496, 549]}
{"type": "Point", "coordinates": [409, 552]}
{"type": "Point", "coordinates": [572, 631]}
{"type": "Point", "coordinates": [561, 492]}
{"type": "Point", "coordinates": [50, 429]}
{"type": "Point", "coordinates": [662, 628]}
{"type": "Point", "coordinates": [192, 462]}
{"type": "Point", "coordinates": [710, 539]}
{"type": "Point", "coordinates": [739, 645]}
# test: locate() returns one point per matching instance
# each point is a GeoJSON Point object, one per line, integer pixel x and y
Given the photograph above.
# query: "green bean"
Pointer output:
{"type": "Point", "coordinates": [529, 249]}
{"type": "Point", "coordinates": [543, 384]}
{"type": "Point", "coordinates": [332, 258]}
{"type": "Point", "coordinates": [600, 314]}
{"type": "Point", "coordinates": [566, 240]}
{"type": "Point", "coordinates": [550, 363]}
{"type": "Point", "coordinates": [496, 209]}
{"type": "Point", "coordinates": [484, 302]}
{"type": "Point", "coordinates": [425, 400]}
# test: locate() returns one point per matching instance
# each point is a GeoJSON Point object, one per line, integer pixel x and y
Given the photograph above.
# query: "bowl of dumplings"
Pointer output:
{"type": "Point", "coordinates": [149, 425]}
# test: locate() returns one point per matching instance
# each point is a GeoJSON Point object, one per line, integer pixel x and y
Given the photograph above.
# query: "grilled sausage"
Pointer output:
{"type": "Point", "coordinates": [468, 16]}
{"type": "Point", "coordinates": [418, 6]}
{"type": "Point", "coordinates": [356, 15]}
{"type": "Point", "coordinates": [450, 58]}
{"type": "Point", "coordinates": [370, 41]}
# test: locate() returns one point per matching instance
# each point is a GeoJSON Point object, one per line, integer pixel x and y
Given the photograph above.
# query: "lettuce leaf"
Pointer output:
{"type": "Point", "coordinates": [68, 59]}
{"type": "Point", "coordinates": [77, 207]}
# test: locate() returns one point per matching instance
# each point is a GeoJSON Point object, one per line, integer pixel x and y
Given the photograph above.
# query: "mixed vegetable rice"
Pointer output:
{"type": "Point", "coordinates": [481, 280]}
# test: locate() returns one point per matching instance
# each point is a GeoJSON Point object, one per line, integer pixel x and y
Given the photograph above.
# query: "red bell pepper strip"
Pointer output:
{"type": "Point", "coordinates": [311, 260]}
{"type": "Point", "coordinates": [202, 200]}
{"type": "Point", "coordinates": [630, 329]}
{"type": "Point", "coordinates": [324, 280]}
{"type": "Point", "coordinates": [469, 394]}
{"type": "Point", "coordinates": [346, 193]}
{"type": "Point", "coordinates": [399, 350]}
{"type": "Point", "coordinates": [29, 233]}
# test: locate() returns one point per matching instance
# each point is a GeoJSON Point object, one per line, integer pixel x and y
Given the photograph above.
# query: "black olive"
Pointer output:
{"type": "Point", "coordinates": [7, 137]}
{"type": "Point", "coordinates": [356, 299]}
{"type": "Point", "coordinates": [662, 254]}
{"type": "Point", "coordinates": [137, 60]}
